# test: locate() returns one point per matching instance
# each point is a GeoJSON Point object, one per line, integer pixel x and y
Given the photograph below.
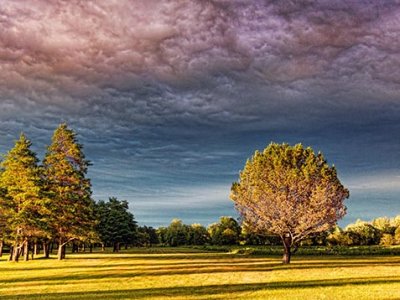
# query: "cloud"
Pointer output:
{"type": "Point", "coordinates": [174, 93]}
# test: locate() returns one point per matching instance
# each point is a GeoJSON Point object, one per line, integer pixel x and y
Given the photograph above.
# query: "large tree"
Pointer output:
{"type": "Point", "coordinates": [65, 169]}
{"type": "Point", "coordinates": [22, 204]}
{"type": "Point", "coordinates": [289, 191]}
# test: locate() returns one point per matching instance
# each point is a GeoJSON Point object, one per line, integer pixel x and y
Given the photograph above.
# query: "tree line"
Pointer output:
{"type": "Point", "coordinates": [228, 231]}
{"type": "Point", "coordinates": [285, 194]}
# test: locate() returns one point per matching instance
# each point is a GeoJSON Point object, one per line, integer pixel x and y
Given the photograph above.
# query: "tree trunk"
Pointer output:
{"type": "Point", "coordinates": [61, 250]}
{"type": "Point", "coordinates": [1, 248]}
{"type": "Point", "coordinates": [26, 250]}
{"type": "Point", "coordinates": [287, 242]}
{"type": "Point", "coordinates": [74, 248]}
{"type": "Point", "coordinates": [90, 248]}
{"type": "Point", "coordinates": [11, 253]}
{"type": "Point", "coordinates": [35, 249]}
{"type": "Point", "coordinates": [116, 247]}
{"type": "Point", "coordinates": [16, 253]}
{"type": "Point", "coordinates": [46, 252]}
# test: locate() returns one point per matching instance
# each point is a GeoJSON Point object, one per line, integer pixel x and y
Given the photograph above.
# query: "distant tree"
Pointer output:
{"type": "Point", "coordinates": [162, 235]}
{"type": "Point", "coordinates": [22, 205]}
{"type": "Point", "coordinates": [116, 225]}
{"type": "Point", "coordinates": [65, 169]}
{"type": "Point", "coordinates": [395, 222]}
{"type": "Point", "coordinates": [249, 237]}
{"type": "Point", "coordinates": [291, 192]}
{"type": "Point", "coordinates": [338, 237]}
{"type": "Point", "coordinates": [396, 237]}
{"type": "Point", "coordinates": [384, 225]}
{"type": "Point", "coordinates": [318, 239]}
{"type": "Point", "coordinates": [387, 240]}
{"type": "Point", "coordinates": [225, 232]}
{"type": "Point", "coordinates": [146, 236]}
{"type": "Point", "coordinates": [197, 235]}
{"type": "Point", "coordinates": [363, 233]}
{"type": "Point", "coordinates": [177, 233]}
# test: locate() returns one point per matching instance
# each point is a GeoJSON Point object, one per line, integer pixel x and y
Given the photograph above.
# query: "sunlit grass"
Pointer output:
{"type": "Point", "coordinates": [184, 274]}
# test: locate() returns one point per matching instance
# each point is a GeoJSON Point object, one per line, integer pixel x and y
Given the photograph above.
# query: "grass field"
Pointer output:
{"type": "Point", "coordinates": [195, 274]}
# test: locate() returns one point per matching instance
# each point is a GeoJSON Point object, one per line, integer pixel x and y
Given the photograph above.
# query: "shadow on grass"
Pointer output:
{"type": "Point", "coordinates": [208, 290]}
{"type": "Point", "coordinates": [124, 271]}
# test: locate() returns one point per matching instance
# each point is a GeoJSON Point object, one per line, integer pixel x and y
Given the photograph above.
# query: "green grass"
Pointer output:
{"type": "Point", "coordinates": [192, 273]}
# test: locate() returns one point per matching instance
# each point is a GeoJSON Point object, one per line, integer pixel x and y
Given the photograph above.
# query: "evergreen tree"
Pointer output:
{"type": "Point", "coordinates": [65, 169]}
{"type": "Point", "coordinates": [116, 224]}
{"type": "Point", "coordinates": [4, 229]}
{"type": "Point", "coordinates": [22, 206]}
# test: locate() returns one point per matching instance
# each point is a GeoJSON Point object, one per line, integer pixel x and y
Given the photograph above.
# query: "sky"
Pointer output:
{"type": "Point", "coordinates": [169, 98]}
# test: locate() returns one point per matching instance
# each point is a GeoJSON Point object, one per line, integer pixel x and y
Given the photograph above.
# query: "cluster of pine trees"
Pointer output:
{"type": "Point", "coordinates": [47, 201]}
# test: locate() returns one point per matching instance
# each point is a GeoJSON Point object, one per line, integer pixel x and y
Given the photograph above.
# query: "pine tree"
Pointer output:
{"type": "Point", "coordinates": [65, 169]}
{"type": "Point", "coordinates": [116, 224]}
{"type": "Point", "coordinates": [22, 203]}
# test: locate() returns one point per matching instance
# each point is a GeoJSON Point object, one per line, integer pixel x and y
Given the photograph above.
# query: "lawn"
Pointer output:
{"type": "Point", "coordinates": [196, 274]}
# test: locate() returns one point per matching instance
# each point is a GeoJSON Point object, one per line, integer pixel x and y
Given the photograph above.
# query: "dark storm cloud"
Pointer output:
{"type": "Point", "coordinates": [174, 95]}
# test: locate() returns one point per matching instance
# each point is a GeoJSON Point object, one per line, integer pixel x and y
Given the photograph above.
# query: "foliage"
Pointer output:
{"type": "Point", "coordinates": [197, 235]}
{"type": "Point", "coordinates": [384, 225]}
{"type": "Point", "coordinates": [363, 233]}
{"type": "Point", "coordinates": [396, 236]}
{"type": "Point", "coordinates": [176, 234]}
{"type": "Point", "coordinates": [386, 239]}
{"type": "Point", "coordinates": [289, 191]}
{"type": "Point", "coordinates": [338, 237]}
{"type": "Point", "coordinates": [65, 169]}
{"type": "Point", "coordinates": [146, 236]}
{"type": "Point", "coordinates": [225, 232]}
{"type": "Point", "coordinates": [162, 235]}
{"type": "Point", "coordinates": [22, 205]}
{"type": "Point", "coordinates": [115, 223]}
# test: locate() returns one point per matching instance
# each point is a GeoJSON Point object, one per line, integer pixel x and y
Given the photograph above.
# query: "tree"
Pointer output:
{"type": "Point", "coordinates": [225, 232]}
{"type": "Point", "coordinates": [162, 235]}
{"type": "Point", "coordinates": [65, 169]}
{"type": "Point", "coordinates": [197, 234]}
{"type": "Point", "coordinates": [116, 224]}
{"type": "Point", "coordinates": [289, 191]}
{"type": "Point", "coordinates": [147, 236]}
{"type": "Point", "coordinates": [384, 224]}
{"type": "Point", "coordinates": [22, 205]}
{"type": "Point", "coordinates": [4, 228]}
{"type": "Point", "coordinates": [362, 233]}
{"type": "Point", "coordinates": [396, 236]}
{"type": "Point", "coordinates": [386, 240]}
{"type": "Point", "coordinates": [177, 233]}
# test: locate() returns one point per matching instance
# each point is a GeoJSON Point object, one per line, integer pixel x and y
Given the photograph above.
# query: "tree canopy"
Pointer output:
{"type": "Point", "coordinates": [65, 169]}
{"type": "Point", "coordinates": [116, 224]}
{"type": "Point", "coordinates": [289, 191]}
{"type": "Point", "coordinates": [22, 203]}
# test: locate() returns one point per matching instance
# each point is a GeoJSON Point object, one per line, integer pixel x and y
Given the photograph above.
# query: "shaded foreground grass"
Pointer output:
{"type": "Point", "coordinates": [177, 274]}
